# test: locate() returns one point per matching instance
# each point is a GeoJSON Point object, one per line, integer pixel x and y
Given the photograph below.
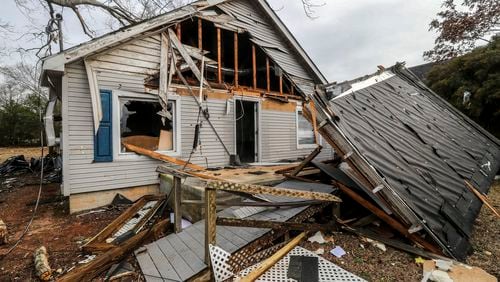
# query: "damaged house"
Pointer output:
{"type": "Point", "coordinates": [141, 85]}
{"type": "Point", "coordinates": [222, 83]}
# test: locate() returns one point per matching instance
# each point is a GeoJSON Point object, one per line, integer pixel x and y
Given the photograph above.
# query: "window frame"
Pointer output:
{"type": "Point", "coordinates": [301, 146]}
{"type": "Point", "coordinates": [121, 95]}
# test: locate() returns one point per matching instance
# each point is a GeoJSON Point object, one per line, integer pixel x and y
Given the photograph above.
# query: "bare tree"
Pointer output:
{"type": "Point", "coordinates": [461, 26]}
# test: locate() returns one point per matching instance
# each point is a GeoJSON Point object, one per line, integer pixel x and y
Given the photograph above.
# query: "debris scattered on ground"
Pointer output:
{"type": "Point", "coordinates": [42, 267]}
{"type": "Point", "coordinates": [338, 252]}
{"type": "Point", "coordinates": [450, 271]}
{"type": "Point", "coordinates": [376, 244]}
{"type": "Point", "coordinates": [317, 237]}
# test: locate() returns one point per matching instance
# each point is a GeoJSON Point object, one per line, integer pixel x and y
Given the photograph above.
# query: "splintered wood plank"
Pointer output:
{"type": "Point", "coordinates": [148, 267]}
{"type": "Point", "coordinates": [186, 253]}
{"type": "Point", "coordinates": [161, 263]}
{"type": "Point", "coordinates": [180, 266]}
{"type": "Point", "coordinates": [194, 245]}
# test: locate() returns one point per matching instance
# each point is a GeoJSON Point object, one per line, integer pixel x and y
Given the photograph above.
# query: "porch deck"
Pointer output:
{"type": "Point", "coordinates": [178, 257]}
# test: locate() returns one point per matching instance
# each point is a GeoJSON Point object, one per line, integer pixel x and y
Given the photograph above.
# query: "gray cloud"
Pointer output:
{"type": "Point", "coordinates": [348, 39]}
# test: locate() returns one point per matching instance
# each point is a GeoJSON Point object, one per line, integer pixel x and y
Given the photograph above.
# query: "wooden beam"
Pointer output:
{"type": "Point", "coordinates": [200, 34]}
{"type": "Point", "coordinates": [185, 55]}
{"type": "Point", "coordinates": [268, 75]}
{"type": "Point", "coordinates": [306, 161]}
{"type": "Point", "coordinates": [313, 120]}
{"type": "Point", "coordinates": [102, 262]}
{"type": "Point", "coordinates": [281, 82]}
{"type": "Point", "coordinates": [179, 31]}
{"type": "Point", "coordinates": [254, 66]}
{"type": "Point", "coordinates": [272, 260]}
{"type": "Point", "coordinates": [177, 187]}
{"type": "Point", "coordinates": [161, 157]}
{"type": "Point", "coordinates": [164, 75]}
{"type": "Point", "coordinates": [236, 65]}
{"type": "Point", "coordinates": [481, 197]}
{"type": "Point", "coordinates": [388, 219]}
{"type": "Point", "coordinates": [224, 221]}
{"type": "Point", "coordinates": [264, 190]}
{"type": "Point", "coordinates": [210, 222]}
{"type": "Point", "coordinates": [219, 55]}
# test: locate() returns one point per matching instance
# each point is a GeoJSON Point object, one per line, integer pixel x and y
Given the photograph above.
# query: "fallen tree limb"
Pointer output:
{"type": "Point", "coordinates": [3, 233]}
{"type": "Point", "coordinates": [42, 267]}
{"type": "Point", "coordinates": [161, 157]}
{"type": "Point", "coordinates": [114, 255]}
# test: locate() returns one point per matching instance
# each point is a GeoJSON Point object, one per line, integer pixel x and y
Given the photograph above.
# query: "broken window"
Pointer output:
{"type": "Point", "coordinates": [305, 131]}
{"type": "Point", "coordinates": [140, 125]}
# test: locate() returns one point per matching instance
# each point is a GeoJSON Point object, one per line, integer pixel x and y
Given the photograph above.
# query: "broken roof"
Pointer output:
{"type": "Point", "coordinates": [416, 149]}
{"type": "Point", "coordinates": [255, 17]}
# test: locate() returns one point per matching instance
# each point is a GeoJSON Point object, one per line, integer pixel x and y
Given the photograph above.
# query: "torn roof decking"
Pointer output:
{"type": "Point", "coordinates": [255, 17]}
{"type": "Point", "coordinates": [423, 150]}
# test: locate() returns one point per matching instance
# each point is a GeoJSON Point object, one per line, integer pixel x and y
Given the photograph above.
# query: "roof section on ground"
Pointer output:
{"type": "Point", "coordinates": [423, 148]}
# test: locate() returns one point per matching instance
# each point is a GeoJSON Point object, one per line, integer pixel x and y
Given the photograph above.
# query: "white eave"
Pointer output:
{"type": "Point", "coordinates": [366, 83]}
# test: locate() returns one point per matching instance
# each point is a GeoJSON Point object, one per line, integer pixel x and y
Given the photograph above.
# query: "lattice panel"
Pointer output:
{"type": "Point", "coordinates": [219, 257]}
{"type": "Point", "coordinates": [328, 271]}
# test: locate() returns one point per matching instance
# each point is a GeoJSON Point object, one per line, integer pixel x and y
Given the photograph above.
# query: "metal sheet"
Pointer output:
{"type": "Point", "coordinates": [424, 151]}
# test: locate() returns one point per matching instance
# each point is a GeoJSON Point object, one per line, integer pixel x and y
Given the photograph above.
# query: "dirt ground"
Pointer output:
{"type": "Point", "coordinates": [60, 233]}
{"type": "Point", "coordinates": [28, 152]}
{"type": "Point", "coordinates": [63, 235]}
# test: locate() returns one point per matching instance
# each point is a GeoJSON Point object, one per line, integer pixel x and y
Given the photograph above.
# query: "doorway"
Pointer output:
{"type": "Point", "coordinates": [246, 130]}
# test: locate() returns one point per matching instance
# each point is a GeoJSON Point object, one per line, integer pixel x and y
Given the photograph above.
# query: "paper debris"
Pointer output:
{"type": "Point", "coordinates": [376, 244]}
{"type": "Point", "coordinates": [317, 237]}
{"type": "Point", "coordinates": [338, 251]}
{"type": "Point", "coordinates": [319, 251]}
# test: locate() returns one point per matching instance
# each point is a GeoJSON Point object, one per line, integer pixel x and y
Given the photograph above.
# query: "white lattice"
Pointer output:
{"type": "Point", "coordinates": [219, 257]}
{"type": "Point", "coordinates": [327, 270]}
{"type": "Point", "coordinates": [132, 222]}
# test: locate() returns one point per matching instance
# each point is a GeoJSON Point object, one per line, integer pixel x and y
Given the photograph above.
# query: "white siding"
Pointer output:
{"type": "Point", "coordinates": [279, 138]}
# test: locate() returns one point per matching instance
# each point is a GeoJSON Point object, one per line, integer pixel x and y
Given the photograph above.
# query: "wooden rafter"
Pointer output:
{"type": "Point", "coordinates": [236, 74]}
{"type": "Point", "coordinates": [219, 56]}
{"type": "Point", "coordinates": [265, 190]}
{"type": "Point", "coordinates": [254, 66]}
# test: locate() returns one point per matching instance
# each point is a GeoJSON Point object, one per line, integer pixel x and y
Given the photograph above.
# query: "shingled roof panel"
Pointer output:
{"type": "Point", "coordinates": [423, 149]}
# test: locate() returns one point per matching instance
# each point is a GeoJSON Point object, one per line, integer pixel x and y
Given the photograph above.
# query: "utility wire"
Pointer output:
{"type": "Point", "coordinates": [26, 229]}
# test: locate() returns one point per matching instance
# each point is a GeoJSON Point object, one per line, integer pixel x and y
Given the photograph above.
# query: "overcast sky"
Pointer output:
{"type": "Point", "coordinates": [349, 38]}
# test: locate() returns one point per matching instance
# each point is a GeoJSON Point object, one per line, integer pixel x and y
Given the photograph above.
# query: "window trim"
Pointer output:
{"type": "Point", "coordinates": [301, 146]}
{"type": "Point", "coordinates": [120, 94]}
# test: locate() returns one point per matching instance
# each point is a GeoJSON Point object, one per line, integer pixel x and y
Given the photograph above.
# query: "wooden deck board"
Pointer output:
{"type": "Point", "coordinates": [147, 265]}
{"type": "Point", "coordinates": [182, 269]}
{"type": "Point", "coordinates": [193, 244]}
{"type": "Point", "coordinates": [186, 253]}
{"type": "Point", "coordinates": [165, 269]}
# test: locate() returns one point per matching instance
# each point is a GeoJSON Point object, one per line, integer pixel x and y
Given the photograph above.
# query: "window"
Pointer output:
{"type": "Point", "coordinates": [140, 125]}
{"type": "Point", "coordinates": [305, 131]}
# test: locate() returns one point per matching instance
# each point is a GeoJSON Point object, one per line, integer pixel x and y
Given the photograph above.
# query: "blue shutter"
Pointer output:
{"type": "Point", "coordinates": [103, 141]}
